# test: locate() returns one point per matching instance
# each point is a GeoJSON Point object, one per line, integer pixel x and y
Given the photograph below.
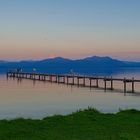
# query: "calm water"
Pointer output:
{"type": "Point", "coordinates": [38, 99]}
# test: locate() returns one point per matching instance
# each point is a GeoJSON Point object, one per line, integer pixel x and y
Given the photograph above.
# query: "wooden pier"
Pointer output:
{"type": "Point", "coordinates": [77, 80]}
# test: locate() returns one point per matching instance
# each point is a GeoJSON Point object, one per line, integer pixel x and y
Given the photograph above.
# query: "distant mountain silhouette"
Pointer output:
{"type": "Point", "coordinates": [56, 60]}
{"type": "Point", "coordinates": [63, 65]}
{"type": "Point", "coordinates": [96, 61]}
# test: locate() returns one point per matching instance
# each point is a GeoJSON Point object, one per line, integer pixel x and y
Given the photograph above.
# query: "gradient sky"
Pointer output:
{"type": "Point", "coordinates": [38, 29]}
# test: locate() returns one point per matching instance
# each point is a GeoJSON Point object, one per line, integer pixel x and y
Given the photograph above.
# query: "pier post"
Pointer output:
{"type": "Point", "coordinates": [16, 74]}
{"type": "Point", "coordinates": [97, 82]}
{"type": "Point", "coordinates": [84, 81]}
{"type": "Point", "coordinates": [63, 79]}
{"type": "Point", "coordinates": [105, 83]}
{"type": "Point", "coordinates": [111, 83]}
{"type": "Point", "coordinates": [90, 80]}
{"type": "Point", "coordinates": [44, 78]}
{"type": "Point", "coordinates": [30, 76]}
{"type": "Point", "coordinates": [133, 86]}
{"type": "Point", "coordinates": [47, 78]}
{"type": "Point", "coordinates": [33, 76]}
{"type": "Point", "coordinates": [78, 81]}
{"type": "Point", "coordinates": [57, 78]}
{"type": "Point", "coordinates": [19, 75]}
{"type": "Point", "coordinates": [50, 78]}
{"type": "Point", "coordinates": [67, 80]}
{"type": "Point", "coordinates": [73, 80]}
{"type": "Point", "coordinates": [7, 74]}
{"type": "Point", "coordinates": [124, 85]}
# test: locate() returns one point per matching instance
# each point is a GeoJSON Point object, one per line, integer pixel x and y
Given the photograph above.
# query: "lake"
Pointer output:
{"type": "Point", "coordinates": [28, 99]}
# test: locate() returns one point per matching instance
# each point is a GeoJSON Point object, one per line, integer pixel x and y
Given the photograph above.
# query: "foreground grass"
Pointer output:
{"type": "Point", "coordinates": [82, 125]}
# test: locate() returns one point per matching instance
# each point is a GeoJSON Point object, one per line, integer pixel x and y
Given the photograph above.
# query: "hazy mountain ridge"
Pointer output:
{"type": "Point", "coordinates": [94, 61]}
{"type": "Point", "coordinates": [91, 65]}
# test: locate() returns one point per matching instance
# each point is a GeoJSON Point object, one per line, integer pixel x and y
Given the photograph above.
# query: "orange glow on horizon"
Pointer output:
{"type": "Point", "coordinates": [52, 56]}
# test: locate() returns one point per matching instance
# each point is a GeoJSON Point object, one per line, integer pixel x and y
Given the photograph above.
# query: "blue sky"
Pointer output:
{"type": "Point", "coordinates": [36, 29]}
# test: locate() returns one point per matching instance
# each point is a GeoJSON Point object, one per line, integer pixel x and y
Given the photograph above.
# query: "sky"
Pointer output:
{"type": "Point", "coordinates": [39, 29]}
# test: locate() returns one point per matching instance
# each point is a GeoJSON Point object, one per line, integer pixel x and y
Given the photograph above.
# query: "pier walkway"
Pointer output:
{"type": "Point", "coordinates": [78, 80]}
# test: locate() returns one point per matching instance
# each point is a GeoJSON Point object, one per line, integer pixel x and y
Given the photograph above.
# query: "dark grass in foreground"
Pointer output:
{"type": "Point", "coordinates": [83, 125]}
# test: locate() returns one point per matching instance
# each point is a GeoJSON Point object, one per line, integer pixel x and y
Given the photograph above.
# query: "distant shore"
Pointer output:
{"type": "Point", "coordinates": [82, 125]}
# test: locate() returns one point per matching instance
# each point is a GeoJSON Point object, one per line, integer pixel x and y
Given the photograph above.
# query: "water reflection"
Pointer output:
{"type": "Point", "coordinates": [37, 99]}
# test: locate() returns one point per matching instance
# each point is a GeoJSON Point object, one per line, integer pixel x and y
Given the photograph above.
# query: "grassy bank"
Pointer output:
{"type": "Point", "coordinates": [82, 125]}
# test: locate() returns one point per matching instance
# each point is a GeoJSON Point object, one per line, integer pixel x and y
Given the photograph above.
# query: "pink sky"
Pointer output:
{"type": "Point", "coordinates": [72, 29]}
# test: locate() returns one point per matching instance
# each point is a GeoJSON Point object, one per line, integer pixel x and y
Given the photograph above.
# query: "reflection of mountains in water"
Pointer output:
{"type": "Point", "coordinates": [103, 66]}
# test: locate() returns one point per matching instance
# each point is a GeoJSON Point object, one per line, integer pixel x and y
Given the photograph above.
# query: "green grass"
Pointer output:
{"type": "Point", "coordinates": [82, 125]}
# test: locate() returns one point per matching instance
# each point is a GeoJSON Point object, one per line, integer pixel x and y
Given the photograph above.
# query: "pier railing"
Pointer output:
{"type": "Point", "coordinates": [70, 79]}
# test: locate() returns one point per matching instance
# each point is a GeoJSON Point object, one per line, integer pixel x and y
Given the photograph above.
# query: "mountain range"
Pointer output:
{"type": "Point", "coordinates": [63, 64]}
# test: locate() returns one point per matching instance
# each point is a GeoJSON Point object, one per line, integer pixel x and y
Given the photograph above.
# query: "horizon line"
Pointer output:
{"type": "Point", "coordinates": [101, 56]}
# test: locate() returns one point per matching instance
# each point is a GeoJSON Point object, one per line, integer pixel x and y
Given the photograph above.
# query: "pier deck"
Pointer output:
{"type": "Point", "coordinates": [70, 80]}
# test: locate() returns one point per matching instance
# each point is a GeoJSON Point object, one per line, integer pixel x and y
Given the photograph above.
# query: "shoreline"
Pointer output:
{"type": "Point", "coordinates": [88, 124]}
